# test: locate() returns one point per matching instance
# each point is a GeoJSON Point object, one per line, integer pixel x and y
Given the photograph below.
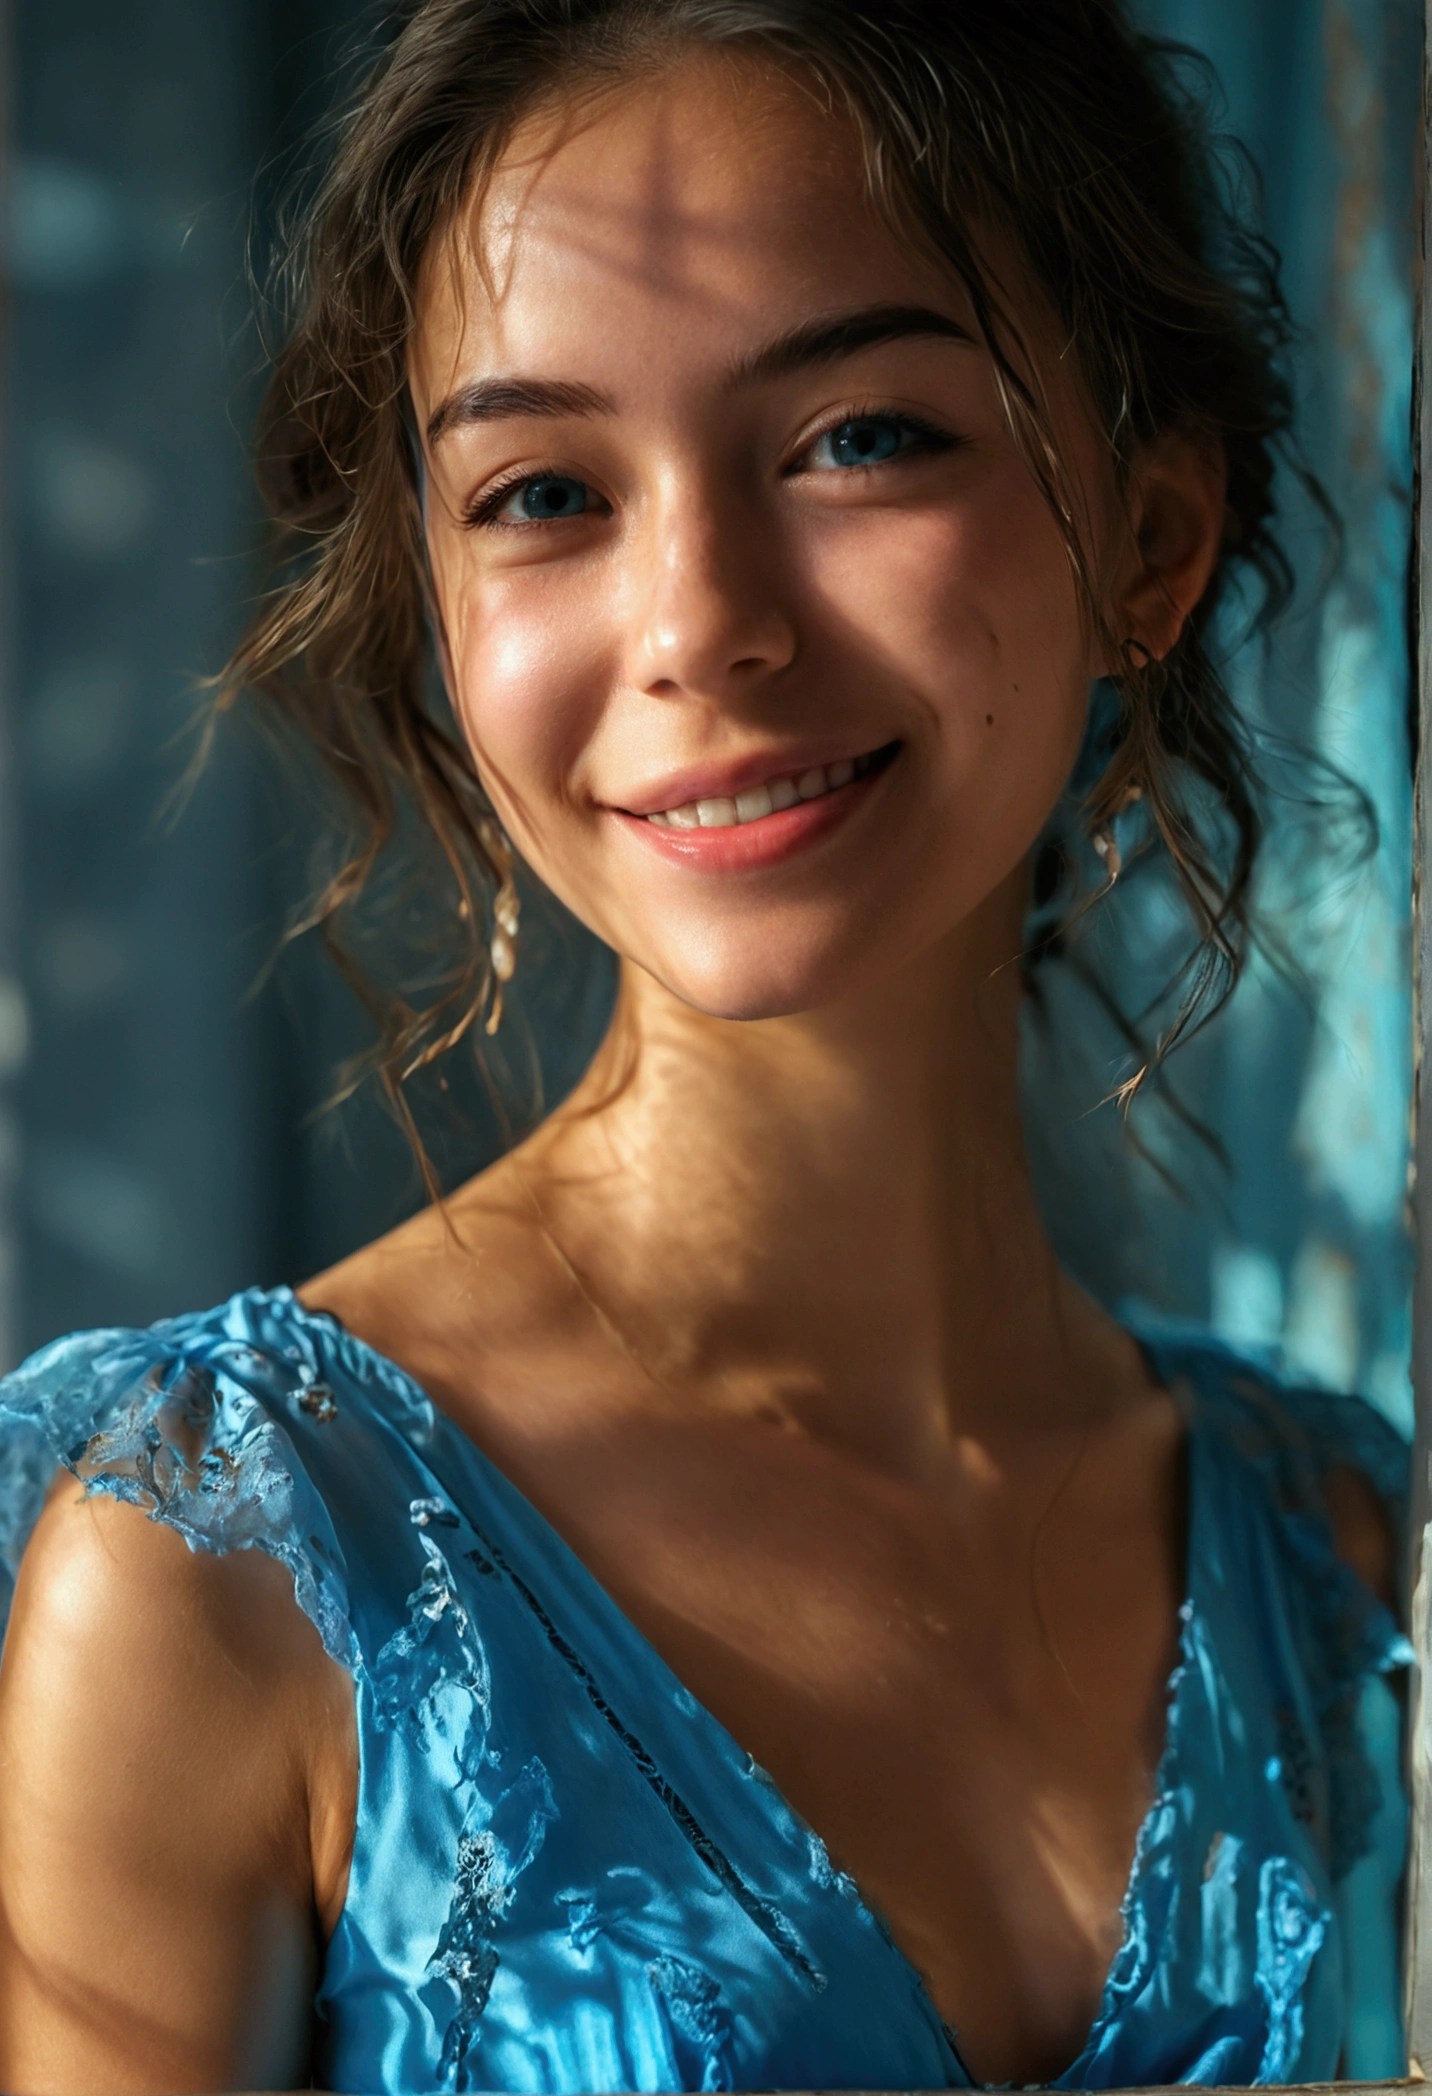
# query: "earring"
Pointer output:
{"type": "Point", "coordinates": [1137, 659]}
{"type": "Point", "coordinates": [506, 912]}
{"type": "Point", "coordinates": [1106, 844]}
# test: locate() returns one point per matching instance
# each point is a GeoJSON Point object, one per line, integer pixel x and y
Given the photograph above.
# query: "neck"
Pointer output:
{"type": "Point", "coordinates": [793, 1213]}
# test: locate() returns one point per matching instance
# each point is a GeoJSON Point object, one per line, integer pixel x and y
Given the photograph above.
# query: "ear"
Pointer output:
{"type": "Point", "coordinates": [1177, 514]}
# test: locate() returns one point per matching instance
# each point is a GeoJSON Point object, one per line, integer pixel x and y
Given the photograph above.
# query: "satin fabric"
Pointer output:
{"type": "Point", "coordinates": [567, 1876]}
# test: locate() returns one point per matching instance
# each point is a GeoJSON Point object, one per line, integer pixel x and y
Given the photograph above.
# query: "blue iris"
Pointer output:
{"type": "Point", "coordinates": [552, 495]}
{"type": "Point", "coordinates": [868, 440]}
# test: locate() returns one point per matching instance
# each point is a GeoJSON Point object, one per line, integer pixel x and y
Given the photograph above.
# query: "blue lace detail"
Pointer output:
{"type": "Point", "coordinates": [1291, 1928]}
{"type": "Point", "coordinates": [179, 1421]}
{"type": "Point", "coordinates": [498, 1842]}
{"type": "Point", "coordinates": [436, 1652]}
{"type": "Point", "coordinates": [1153, 1885]}
{"type": "Point", "coordinates": [699, 2018]}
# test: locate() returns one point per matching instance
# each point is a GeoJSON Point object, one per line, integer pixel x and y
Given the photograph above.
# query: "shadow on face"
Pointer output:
{"type": "Point", "coordinates": [765, 639]}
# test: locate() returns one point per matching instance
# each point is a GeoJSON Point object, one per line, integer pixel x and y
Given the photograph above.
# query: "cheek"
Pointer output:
{"type": "Point", "coordinates": [972, 609]}
{"type": "Point", "coordinates": [528, 682]}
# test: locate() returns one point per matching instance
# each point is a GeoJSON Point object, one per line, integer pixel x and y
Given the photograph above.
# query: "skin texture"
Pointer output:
{"type": "Point", "coordinates": [177, 1760]}
{"type": "Point", "coordinates": [764, 1320]}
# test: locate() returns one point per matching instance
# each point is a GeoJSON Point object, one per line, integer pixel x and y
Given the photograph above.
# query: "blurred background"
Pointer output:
{"type": "Point", "coordinates": [161, 1134]}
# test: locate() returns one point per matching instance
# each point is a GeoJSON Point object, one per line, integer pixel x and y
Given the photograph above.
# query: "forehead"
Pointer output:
{"type": "Point", "coordinates": [697, 208]}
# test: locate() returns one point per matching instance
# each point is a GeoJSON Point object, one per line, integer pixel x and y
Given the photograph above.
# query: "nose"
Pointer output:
{"type": "Point", "coordinates": [708, 617]}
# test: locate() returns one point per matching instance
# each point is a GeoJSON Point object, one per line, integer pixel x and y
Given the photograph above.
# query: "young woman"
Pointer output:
{"type": "Point", "coordinates": [712, 1605]}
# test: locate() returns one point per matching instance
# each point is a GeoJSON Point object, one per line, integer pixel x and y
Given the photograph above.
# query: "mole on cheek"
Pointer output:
{"type": "Point", "coordinates": [989, 720]}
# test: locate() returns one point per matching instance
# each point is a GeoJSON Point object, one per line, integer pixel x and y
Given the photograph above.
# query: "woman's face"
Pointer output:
{"type": "Point", "coordinates": [765, 641]}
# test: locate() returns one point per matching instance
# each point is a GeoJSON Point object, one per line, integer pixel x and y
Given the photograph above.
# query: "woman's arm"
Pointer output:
{"type": "Point", "coordinates": [177, 1783]}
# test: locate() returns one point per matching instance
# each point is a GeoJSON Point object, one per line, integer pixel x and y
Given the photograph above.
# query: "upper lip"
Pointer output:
{"type": "Point", "coordinates": [723, 781]}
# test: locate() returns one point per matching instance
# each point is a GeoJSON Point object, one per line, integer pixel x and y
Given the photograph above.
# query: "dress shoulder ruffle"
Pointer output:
{"type": "Point", "coordinates": [188, 1419]}
{"type": "Point", "coordinates": [1274, 1442]}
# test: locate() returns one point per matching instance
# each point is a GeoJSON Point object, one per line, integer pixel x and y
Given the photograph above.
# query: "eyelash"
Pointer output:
{"type": "Point", "coordinates": [483, 512]}
{"type": "Point", "coordinates": [930, 438]}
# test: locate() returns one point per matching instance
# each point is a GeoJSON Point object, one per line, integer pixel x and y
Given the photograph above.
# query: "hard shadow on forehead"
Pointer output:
{"type": "Point", "coordinates": [535, 188]}
{"type": "Point", "coordinates": [776, 116]}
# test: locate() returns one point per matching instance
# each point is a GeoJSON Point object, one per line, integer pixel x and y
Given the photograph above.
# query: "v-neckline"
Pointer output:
{"type": "Point", "coordinates": [727, 1749]}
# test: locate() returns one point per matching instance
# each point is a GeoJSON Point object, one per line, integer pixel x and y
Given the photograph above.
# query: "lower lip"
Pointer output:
{"type": "Point", "coordinates": [739, 847]}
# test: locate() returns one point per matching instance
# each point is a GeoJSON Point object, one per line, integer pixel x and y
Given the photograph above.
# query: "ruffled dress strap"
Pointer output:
{"type": "Point", "coordinates": [194, 1421]}
{"type": "Point", "coordinates": [1270, 1445]}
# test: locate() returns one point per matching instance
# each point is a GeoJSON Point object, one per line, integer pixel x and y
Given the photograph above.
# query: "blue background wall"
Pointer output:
{"type": "Point", "coordinates": [1306, 1245]}
{"type": "Point", "coordinates": [157, 1147]}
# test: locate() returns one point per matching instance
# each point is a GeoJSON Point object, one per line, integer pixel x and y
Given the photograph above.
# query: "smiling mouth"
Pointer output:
{"type": "Point", "coordinates": [773, 795]}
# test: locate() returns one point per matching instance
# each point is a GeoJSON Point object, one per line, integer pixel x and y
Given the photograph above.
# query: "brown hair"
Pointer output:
{"type": "Point", "coordinates": [1051, 121]}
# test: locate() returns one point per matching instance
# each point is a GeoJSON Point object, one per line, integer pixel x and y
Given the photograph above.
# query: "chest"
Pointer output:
{"type": "Point", "coordinates": [963, 1695]}
{"type": "Point", "coordinates": [597, 1889]}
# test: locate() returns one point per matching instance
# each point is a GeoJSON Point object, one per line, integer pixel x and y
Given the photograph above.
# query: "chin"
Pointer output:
{"type": "Point", "coordinates": [747, 986]}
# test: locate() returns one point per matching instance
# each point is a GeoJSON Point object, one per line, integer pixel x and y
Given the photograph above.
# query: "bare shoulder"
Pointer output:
{"type": "Point", "coordinates": [466, 1294]}
{"type": "Point", "coordinates": [175, 1743]}
{"type": "Point", "coordinates": [439, 1253]}
{"type": "Point", "coordinates": [101, 1585]}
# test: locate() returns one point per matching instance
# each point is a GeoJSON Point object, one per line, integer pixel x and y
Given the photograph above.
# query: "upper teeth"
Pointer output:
{"type": "Point", "coordinates": [758, 801]}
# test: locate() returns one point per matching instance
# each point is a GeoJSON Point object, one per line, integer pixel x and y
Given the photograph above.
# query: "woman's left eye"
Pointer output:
{"type": "Point", "coordinates": [871, 440]}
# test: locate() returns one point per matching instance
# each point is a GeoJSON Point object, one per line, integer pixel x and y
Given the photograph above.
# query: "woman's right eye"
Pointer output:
{"type": "Point", "coordinates": [540, 498]}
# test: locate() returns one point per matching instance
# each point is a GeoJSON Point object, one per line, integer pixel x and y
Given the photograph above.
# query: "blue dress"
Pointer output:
{"type": "Point", "coordinates": [567, 1876]}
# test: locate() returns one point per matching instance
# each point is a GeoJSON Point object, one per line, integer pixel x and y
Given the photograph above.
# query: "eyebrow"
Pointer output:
{"type": "Point", "coordinates": [499, 399]}
{"type": "Point", "coordinates": [844, 335]}
{"type": "Point", "coordinates": [823, 341]}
